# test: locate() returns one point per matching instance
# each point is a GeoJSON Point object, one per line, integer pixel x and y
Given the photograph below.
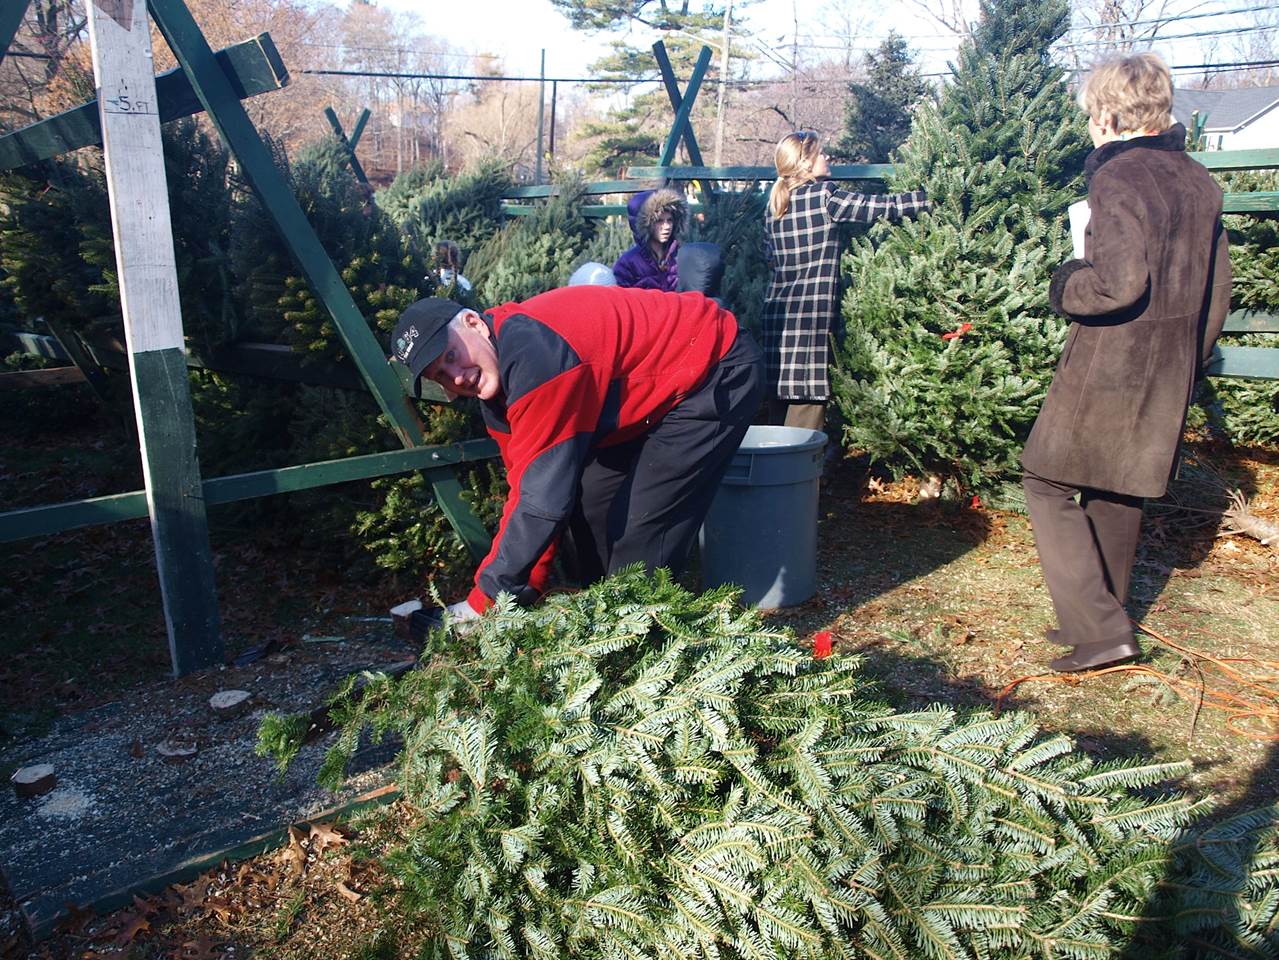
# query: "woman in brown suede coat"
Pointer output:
{"type": "Point", "coordinates": [1146, 303]}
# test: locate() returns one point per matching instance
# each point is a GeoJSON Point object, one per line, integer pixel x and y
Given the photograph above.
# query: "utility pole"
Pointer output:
{"type": "Point", "coordinates": [723, 83]}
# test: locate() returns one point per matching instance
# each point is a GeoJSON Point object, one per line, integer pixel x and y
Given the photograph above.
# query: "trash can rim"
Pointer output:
{"type": "Point", "coordinates": [756, 443]}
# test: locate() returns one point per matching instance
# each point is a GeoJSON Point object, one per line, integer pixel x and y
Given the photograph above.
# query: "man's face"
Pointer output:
{"type": "Point", "coordinates": [663, 227]}
{"type": "Point", "coordinates": [468, 365]}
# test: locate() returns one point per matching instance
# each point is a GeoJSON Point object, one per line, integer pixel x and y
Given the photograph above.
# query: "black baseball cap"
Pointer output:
{"type": "Point", "coordinates": [421, 335]}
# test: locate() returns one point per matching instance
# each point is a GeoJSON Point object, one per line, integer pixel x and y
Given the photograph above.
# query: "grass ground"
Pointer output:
{"type": "Point", "coordinates": [941, 603]}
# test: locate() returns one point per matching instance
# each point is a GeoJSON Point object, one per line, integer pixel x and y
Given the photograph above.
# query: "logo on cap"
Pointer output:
{"type": "Point", "coordinates": [405, 343]}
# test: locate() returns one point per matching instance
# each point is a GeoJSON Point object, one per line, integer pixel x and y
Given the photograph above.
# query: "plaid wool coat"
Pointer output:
{"type": "Point", "coordinates": [804, 246]}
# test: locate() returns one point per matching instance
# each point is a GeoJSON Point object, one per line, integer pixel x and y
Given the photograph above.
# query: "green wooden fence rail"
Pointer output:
{"type": "Point", "coordinates": [43, 521]}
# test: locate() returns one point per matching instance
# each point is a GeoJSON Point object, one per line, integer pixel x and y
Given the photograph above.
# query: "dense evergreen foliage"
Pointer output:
{"type": "Point", "coordinates": [634, 771]}
{"type": "Point", "coordinates": [950, 344]}
{"type": "Point", "coordinates": [878, 110]}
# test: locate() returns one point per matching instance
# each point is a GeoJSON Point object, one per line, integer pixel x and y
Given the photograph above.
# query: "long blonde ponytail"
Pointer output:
{"type": "Point", "coordinates": [795, 158]}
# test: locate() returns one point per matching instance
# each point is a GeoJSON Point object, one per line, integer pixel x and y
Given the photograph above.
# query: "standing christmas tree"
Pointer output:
{"type": "Point", "coordinates": [950, 342]}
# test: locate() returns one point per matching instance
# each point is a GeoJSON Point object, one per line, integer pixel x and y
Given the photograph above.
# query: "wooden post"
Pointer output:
{"type": "Point", "coordinates": [120, 42]}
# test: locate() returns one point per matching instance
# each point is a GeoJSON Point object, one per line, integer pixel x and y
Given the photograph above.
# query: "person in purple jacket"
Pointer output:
{"type": "Point", "coordinates": [657, 217]}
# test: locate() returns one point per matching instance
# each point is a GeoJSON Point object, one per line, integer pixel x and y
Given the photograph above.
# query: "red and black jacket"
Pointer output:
{"type": "Point", "coordinates": [581, 367]}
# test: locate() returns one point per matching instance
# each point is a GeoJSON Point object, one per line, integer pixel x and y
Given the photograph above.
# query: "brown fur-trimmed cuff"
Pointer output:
{"type": "Point", "coordinates": [1057, 289]}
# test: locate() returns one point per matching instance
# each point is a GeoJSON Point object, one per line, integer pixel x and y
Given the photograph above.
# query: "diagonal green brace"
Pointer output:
{"type": "Point", "coordinates": [347, 145]}
{"type": "Point", "coordinates": [359, 127]}
{"type": "Point", "coordinates": [11, 14]}
{"type": "Point", "coordinates": [251, 67]}
{"type": "Point", "coordinates": [705, 187]}
{"type": "Point", "coordinates": [189, 45]}
{"type": "Point", "coordinates": [685, 109]}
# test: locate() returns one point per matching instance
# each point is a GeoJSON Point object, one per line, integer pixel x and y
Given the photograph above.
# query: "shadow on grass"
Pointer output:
{"type": "Point", "coordinates": [1179, 529]}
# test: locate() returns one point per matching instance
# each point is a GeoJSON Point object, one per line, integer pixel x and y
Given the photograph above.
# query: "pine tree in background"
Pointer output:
{"type": "Point", "coordinates": [430, 206]}
{"type": "Point", "coordinates": [950, 343]}
{"type": "Point", "coordinates": [534, 253]}
{"type": "Point", "coordinates": [878, 111]}
{"type": "Point", "coordinates": [47, 211]}
{"type": "Point", "coordinates": [377, 262]}
{"type": "Point", "coordinates": [636, 772]}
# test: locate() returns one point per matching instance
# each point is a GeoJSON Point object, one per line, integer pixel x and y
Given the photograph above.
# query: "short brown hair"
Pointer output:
{"type": "Point", "coordinates": [1136, 91]}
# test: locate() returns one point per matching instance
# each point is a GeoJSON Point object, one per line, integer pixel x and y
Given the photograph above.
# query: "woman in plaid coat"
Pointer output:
{"type": "Point", "coordinates": [802, 226]}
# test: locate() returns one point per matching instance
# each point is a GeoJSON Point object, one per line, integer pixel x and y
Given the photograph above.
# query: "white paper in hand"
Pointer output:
{"type": "Point", "coordinates": [1079, 214]}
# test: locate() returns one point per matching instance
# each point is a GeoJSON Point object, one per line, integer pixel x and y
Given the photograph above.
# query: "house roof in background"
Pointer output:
{"type": "Point", "coordinates": [1224, 109]}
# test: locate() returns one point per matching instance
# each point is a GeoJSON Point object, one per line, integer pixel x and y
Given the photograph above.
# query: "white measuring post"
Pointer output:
{"type": "Point", "coordinates": [124, 74]}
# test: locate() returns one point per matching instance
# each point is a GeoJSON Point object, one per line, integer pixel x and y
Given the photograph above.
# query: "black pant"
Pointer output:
{"type": "Point", "coordinates": [1086, 550]}
{"type": "Point", "coordinates": [643, 501]}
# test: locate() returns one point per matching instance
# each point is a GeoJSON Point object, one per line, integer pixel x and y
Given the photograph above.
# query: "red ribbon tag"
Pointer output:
{"type": "Point", "coordinates": [821, 645]}
{"type": "Point", "coordinates": [955, 334]}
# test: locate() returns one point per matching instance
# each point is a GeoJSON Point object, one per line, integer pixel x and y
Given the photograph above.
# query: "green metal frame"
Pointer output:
{"type": "Point", "coordinates": [216, 83]}
{"type": "Point", "coordinates": [685, 130]}
{"type": "Point", "coordinates": [349, 144]}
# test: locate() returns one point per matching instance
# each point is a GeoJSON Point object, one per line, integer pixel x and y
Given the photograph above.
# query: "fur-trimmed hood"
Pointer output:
{"type": "Point", "coordinates": [643, 209]}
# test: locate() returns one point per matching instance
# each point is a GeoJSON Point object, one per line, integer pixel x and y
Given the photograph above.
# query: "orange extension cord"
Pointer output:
{"type": "Point", "coordinates": [1254, 699]}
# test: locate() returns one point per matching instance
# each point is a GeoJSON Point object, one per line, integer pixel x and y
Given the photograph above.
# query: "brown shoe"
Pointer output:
{"type": "Point", "coordinates": [1089, 656]}
{"type": "Point", "coordinates": [1054, 636]}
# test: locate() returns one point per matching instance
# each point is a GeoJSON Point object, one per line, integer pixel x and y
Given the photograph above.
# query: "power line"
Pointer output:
{"type": "Point", "coordinates": [619, 81]}
{"type": "Point", "coordinates": [1173, 36]}
{"type": "Point", "coordinates": [1228, 67]}
{"type": "Point", "coordinates": [1083, 26]}
{"type": "Point", "coordinates": [1179, 17]}
{"type": "Point", "coordinates": [412, 51]}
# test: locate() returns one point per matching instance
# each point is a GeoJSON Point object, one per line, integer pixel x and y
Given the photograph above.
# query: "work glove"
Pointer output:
{"type": "Point", "coordinates": [461, 616]}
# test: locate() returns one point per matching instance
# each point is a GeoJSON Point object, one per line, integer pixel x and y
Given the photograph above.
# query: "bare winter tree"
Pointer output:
{"type": "Point", "coordinates": [1259, 45]}
{"type": "Point", "coordinates": [42, 75]}
{"type": "Point", "coordinates": [497, 121]}
{"type": "Point", "coordinates": [1115, 27]}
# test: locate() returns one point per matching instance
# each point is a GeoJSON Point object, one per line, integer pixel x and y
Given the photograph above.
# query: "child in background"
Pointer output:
{"type": "Point", "coordinates": [448, 266]}
{"type": "Point", "coordinates": [1146, 302]}
{"type": "Point", "coordinates": [657, 217]}
{"type": "Point", "coordinates": [803, 233]}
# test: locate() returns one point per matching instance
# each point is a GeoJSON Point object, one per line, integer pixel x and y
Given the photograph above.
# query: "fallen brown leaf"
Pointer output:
{"type": "Point", "coordinates": [327, 835]}
{"type": "Point", "coordinates": [293, 856]}
{"type": "Point", "coordinates": [133, 926]}
{"type": "Point", "coordinates": [348, 893]}
{"type": "Point", "coordinates": [202, 949]}
{"type": "Point", "coordinates": [225, 909]}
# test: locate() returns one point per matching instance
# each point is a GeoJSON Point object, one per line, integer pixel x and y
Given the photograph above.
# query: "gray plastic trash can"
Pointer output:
{"type": "Point", "coordinates": [761, 531]}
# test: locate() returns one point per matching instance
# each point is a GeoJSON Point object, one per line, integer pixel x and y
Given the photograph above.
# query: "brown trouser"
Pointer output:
{"type": "Point", "coordinates": [1086, 551]}
{"type": "Point", "coordinates": [797, 413]}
